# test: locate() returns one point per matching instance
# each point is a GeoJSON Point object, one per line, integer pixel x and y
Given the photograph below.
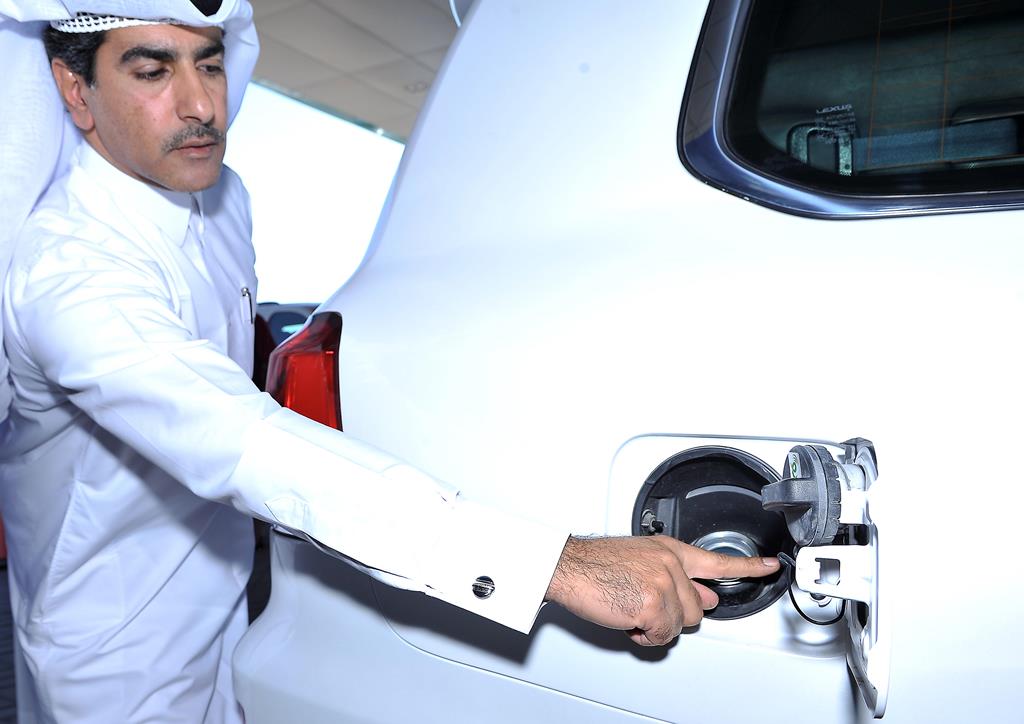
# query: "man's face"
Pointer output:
{"type": "Point", "coordinates": [159, 104]}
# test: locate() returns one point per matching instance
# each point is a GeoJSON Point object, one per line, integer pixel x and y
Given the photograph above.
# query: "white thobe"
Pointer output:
{"type": "Point", "coordinates": [136, 445]}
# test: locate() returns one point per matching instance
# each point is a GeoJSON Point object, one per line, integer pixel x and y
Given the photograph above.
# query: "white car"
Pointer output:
{"type": "Point", "coordinates": [713, 270]}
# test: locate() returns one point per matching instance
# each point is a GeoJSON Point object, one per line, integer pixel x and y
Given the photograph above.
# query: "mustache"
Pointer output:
{"type": "Point", "coordinates": [180, 138]}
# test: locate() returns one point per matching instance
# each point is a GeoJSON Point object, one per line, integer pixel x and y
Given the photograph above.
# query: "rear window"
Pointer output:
{"type": "Point", "coordinates": [881, 97]}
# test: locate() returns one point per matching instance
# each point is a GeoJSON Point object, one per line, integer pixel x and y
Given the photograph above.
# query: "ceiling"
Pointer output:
{"type": "Point", "coordinates": [370, 61]}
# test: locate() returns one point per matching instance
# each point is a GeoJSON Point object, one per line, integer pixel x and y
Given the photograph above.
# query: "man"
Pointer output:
{"type": "Point", "coordinates": [136, 445]}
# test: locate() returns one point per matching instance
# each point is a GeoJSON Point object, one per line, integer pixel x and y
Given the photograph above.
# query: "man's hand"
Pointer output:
{"type": "Point", "coordinates": [642, 585]}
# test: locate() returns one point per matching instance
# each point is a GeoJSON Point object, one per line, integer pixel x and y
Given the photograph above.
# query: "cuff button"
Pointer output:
{"type": "Point", "coordinates": [483, 587]}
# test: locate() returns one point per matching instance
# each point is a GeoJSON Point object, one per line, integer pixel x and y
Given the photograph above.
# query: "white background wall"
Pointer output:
{"type": "Point", "coordinates": [317, 184]}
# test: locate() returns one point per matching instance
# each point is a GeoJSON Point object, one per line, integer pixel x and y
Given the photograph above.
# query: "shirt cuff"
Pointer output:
{"type": "Point", "coordinates": [493, 564]}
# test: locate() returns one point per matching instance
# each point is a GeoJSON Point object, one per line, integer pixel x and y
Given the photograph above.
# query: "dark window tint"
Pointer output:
{"type": "Point", "coordinates": [882, 96]}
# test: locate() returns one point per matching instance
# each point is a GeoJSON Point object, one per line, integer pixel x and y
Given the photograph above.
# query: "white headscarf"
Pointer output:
{"type": "Point", "coordinates": [36, 134]}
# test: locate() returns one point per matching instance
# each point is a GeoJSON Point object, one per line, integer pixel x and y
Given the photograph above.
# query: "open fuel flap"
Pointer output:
{"type": "Point", "coordinates": [816, 517]}
{"type": "Point", "coordinates": [826, 502]}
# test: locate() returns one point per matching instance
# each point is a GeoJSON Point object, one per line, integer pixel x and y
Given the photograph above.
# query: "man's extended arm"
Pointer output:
{"type": "Point", "coordinates": [99, 325]}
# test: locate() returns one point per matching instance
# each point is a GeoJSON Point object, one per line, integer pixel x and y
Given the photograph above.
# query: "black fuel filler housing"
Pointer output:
{"type": "Point", "coordinates": [711, 497]}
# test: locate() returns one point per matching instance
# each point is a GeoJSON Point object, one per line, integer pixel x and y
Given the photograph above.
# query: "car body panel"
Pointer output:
{"type": "Point", "coordinates": [549, 283]}
{"type": "Point", "coordinates": [347, 672]}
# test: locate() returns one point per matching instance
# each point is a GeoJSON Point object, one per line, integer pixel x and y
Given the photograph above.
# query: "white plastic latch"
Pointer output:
{"type": "Point", "coordinates": [843, 571]}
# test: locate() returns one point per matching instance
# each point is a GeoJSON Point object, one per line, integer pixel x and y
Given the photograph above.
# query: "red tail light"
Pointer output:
{"type": "Point", "coordinates": [303, 370]}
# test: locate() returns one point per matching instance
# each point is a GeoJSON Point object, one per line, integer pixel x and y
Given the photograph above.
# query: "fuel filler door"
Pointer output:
{"type": "Point", "coordinates": [827, 506]}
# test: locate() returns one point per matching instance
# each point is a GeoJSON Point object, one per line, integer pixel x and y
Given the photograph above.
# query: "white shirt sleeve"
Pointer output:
{"type": "Point", "coordinates": [102, 327]}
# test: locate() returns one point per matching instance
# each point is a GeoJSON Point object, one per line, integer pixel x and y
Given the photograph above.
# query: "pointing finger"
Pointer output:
{"type": "Point", "coordinates": [708, 564]}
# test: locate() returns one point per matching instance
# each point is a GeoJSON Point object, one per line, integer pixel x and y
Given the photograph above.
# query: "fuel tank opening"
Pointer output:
{"type": "Point", "coordinates": [711, 497]}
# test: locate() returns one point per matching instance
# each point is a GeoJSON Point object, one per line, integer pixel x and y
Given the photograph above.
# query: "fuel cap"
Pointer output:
{"type": "Point", "coordinates": [809, 497]}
